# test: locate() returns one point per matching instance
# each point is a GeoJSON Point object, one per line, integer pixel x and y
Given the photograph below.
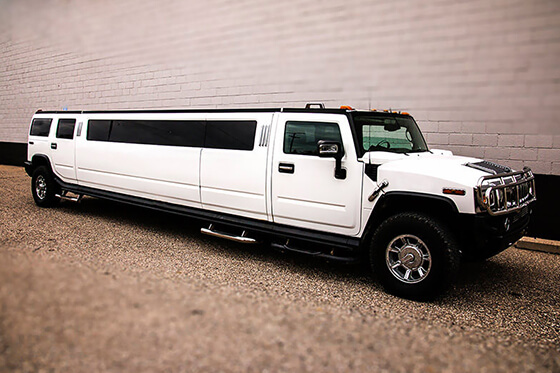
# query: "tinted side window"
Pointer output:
{"type": "Point", "coordinates": [65, 129]}
{"type": "Point", "coordinates": [230, 134]}
{"type": "Point", "coordinates": [302, 137]}
{"type": "Point", "coordinates": [40, 127]}
{"type": "Point", "coordinates": [98, 130]}
{"type": "Point", "coordinates": [158, 132]}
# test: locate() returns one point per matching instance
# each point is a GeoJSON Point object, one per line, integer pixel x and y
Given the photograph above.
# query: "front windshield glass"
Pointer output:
{"type": "Point", "coordinates": [388, 133]}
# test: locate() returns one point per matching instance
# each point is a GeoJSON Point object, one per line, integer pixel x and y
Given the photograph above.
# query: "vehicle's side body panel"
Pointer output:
{"type": "Point", "coordinates": [159, 172]}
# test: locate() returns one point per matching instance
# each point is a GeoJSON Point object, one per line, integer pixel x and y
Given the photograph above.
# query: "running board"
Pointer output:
{"type": "Point", "coordinates": [243, 238]}
{"type": "Point", "coordinates": [318, 254]}
{"type": "Point", "coordinates": [66, 198]}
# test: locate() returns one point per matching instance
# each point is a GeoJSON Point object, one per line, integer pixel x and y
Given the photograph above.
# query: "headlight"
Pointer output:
{"type": "Point", "coordinates": [494, 198]}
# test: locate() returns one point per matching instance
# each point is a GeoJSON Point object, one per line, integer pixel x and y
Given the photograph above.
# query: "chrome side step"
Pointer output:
{"type": "Point", "coordinates": [67, 198]}
{"type": "Point", "coordinates": [212, 232]}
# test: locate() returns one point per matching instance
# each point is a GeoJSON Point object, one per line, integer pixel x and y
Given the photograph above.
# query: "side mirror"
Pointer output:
{"type": "Point", "coordinates": [332, 149]}
{"type": "Point", "coordinates": [329, 149]}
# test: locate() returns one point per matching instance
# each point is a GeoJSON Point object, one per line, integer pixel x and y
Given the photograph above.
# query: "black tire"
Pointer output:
{"type": "Point", "coordinates": [418, 246]}
{"type": "Point", "coordinates": [44, 188]}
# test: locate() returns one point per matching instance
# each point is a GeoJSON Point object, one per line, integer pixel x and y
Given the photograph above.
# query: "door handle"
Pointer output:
{"type": "Point", "coordinates": [53, 145]}
{"type": "Point", "coordinates": [286, 168]}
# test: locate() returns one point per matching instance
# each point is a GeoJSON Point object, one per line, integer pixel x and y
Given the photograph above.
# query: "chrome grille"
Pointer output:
{"type": "Point", "coordinates": [507, 192]}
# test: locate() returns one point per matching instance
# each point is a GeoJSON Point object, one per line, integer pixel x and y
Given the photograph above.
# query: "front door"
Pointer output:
{"type": "Point", "coordinates": [305, 191]}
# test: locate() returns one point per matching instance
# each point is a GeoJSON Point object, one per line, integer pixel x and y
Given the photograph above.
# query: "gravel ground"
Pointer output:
{"type": "Point", "coordinates": [100, 286]}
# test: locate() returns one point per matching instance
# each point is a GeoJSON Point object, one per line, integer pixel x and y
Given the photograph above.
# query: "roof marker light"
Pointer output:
{"type": "Point", "coordinates": [346, 107]}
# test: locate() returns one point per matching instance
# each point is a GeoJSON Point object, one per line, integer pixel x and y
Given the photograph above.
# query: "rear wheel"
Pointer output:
{"type": "Point", "coordinates": [43, 187]}
{"type": "Point", "coordinates": [414, 256]}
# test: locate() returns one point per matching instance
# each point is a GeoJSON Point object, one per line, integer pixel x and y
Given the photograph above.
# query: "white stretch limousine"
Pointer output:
{"type": "Point", "coordinates": [335, 183]}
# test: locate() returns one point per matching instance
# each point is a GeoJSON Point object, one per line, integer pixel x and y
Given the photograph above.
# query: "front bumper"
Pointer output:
{"type": "Point", "coordinates": [485, 235]}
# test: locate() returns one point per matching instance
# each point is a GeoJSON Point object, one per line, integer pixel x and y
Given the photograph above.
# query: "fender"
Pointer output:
{"type": "Point", "coordinates": [37, 160]}
{"type": "Point", "coordinates": [440, 199]}
{"type": "Point", "coordinates": [397, 201]}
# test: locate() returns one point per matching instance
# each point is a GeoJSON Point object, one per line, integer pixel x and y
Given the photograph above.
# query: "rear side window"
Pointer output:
{"type": "Point", "coordinates": [158, 132]}
{"type": "Point", "coordinates": [98, 130]}
{"type": "Point", "coordinates": [217, 134]}
{"type": "Point", "coordinates": [40, 126]}
{"type": "Point", "coordinates": [302, 137]}
{"type": "Point", "coordinates": [65, 129]}
{"type": "Point", "coordinates": [230, 134]}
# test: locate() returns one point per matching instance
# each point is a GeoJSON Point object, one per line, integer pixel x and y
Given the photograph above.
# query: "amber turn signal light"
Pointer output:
{"type": "Point", "coordinates": [455, 192]}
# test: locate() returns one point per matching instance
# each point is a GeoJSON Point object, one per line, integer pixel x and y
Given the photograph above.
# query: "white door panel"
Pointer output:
{"type": "Point", "coordinates": [311, 197]}
{"type": "Point", "coordinates": [166, 173]}
{"type": "Point", "coordinates": [62, 152]}
{"type": "Point", "coordinates": [234, 181]}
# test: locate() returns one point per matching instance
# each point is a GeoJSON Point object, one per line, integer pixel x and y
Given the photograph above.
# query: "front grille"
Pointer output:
{"type": "Point", "coordinates": [519, 215]}
{"type": "Point", "coordinates": [506, 192]}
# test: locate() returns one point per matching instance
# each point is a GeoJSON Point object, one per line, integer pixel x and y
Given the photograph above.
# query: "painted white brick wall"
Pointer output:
{"type": "Point", "coordinates": [481, 77]}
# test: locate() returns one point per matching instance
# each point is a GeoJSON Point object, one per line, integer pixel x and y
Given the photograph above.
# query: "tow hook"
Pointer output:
{"type": "Point", "coordinates": [380, 186]}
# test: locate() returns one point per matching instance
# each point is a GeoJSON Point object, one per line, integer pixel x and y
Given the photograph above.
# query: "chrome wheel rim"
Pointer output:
{"type": "Point", "coordinates": [41, 187]}
{"type": "Point", "coordinates": [408, 259]}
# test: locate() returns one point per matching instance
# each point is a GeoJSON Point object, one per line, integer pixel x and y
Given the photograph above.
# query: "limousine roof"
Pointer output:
{"type": "Point", "coordinates": [245, 110]}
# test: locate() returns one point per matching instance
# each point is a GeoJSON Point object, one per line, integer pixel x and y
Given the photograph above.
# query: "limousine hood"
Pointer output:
{"type": "Point", "coordinates": [430, 173]}
{"type": "Point", "coordinates": [444, 168]}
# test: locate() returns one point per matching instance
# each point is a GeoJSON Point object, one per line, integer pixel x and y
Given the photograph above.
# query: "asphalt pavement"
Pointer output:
{"type": "Point", "coordinates": [98, 286]}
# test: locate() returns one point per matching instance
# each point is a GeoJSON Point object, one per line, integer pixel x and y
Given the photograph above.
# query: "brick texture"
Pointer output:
{"type": "Point", "coordinates": [482, 77]}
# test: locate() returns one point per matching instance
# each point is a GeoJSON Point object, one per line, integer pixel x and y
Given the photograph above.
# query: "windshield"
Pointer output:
{"type": "Point", "coordinates": [388, 133]}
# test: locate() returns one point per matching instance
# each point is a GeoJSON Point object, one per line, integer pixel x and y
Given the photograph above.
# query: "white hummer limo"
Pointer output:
{"type": "Point", "coordinates": [336, 183]}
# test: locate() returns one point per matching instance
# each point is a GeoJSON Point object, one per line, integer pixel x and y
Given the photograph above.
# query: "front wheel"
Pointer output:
{"type": "Point", "coordinates": [43, 187]}
{"type": "Point", "coordinates": [414, 256]}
